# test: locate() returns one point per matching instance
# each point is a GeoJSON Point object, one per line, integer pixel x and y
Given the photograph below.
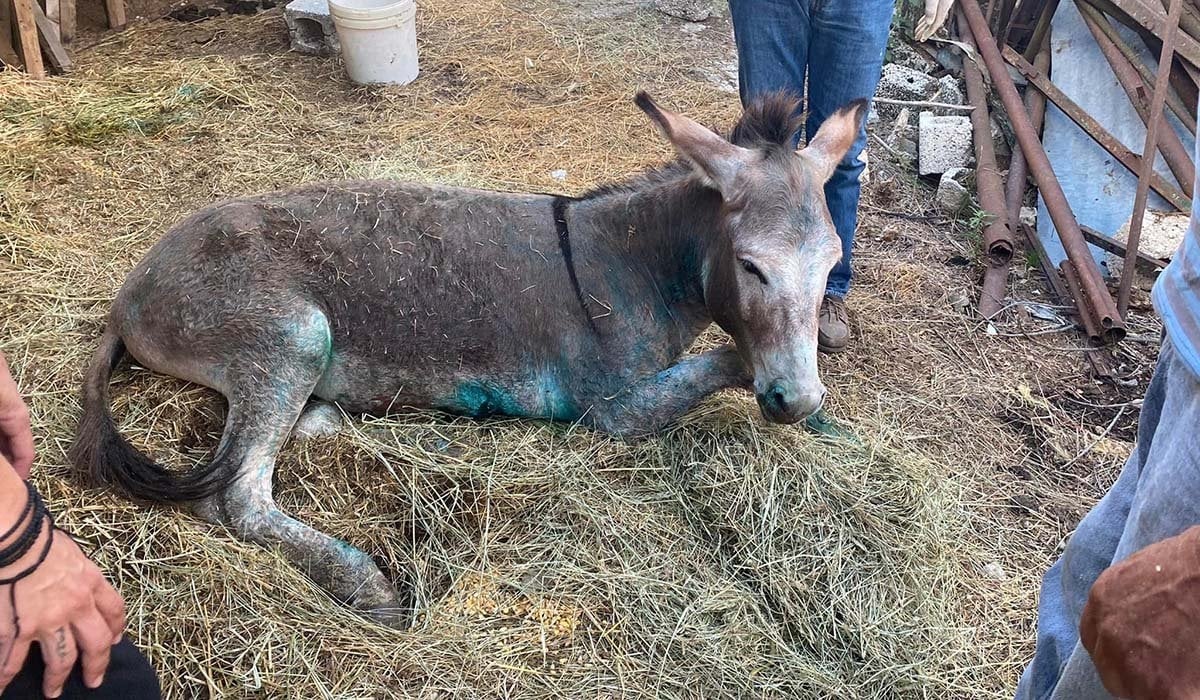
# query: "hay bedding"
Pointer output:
{"type": "Point", "coordinates": [725, 558]}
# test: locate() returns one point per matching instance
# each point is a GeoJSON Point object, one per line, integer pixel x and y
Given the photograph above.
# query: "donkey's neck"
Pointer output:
{"type": "Point", "coordinates": [662, 229]}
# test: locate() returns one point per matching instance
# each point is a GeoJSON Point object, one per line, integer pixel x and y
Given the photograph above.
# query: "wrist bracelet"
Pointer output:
{"type": "Point", "coordinates": [12, 554]}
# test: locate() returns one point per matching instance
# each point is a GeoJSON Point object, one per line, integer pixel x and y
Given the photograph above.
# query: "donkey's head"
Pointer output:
{"type": "Point", "coordinates": [765, 272]}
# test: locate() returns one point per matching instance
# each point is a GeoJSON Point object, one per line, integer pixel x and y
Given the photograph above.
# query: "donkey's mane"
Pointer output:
{"type": "Point", "coordinates": [769, 125]}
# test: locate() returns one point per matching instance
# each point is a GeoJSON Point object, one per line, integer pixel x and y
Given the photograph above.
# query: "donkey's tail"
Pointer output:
{"type": "Point", "coordinates": [104, 456]}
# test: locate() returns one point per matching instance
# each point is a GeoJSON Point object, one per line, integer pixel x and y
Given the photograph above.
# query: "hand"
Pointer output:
{"type": "Point", "coordinates": [936, 12]}
{"type": "Point", "coordinates": [16, 436]}
{"type": "Point", "coordinates": [1141, 623]}
{"type": "Point", "coordinates": [66, 606]}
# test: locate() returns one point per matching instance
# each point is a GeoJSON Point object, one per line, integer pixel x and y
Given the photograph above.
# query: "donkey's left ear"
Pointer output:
{"type": "Point", "coordinates": [835, 137]}
{"type": "Point", "coordinates": [717, 160]}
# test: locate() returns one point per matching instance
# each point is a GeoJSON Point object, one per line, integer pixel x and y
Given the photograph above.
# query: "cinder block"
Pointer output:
{"type": "Point", "coordinates": [943, 143]}
{"type": "Point", "coordinates": [311, 27]}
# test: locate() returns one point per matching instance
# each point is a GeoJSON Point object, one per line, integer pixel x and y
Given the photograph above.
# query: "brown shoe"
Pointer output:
{"type": "Point", "coordinates": [833, 326]}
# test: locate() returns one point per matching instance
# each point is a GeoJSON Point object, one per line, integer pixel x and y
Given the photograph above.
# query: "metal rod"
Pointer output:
{"type": "Point", "coordinates": [997, 237]}
{"type": "Point", "coordinates": [1018, 172]}
{"type": "Point", "coordinates": [1107, 141]}
{"type": "Point", "coordinates": [1177, 105]}
{"type": "Point", "coordinates": [1040, 31]}
{"type": "Point", "coordinates": [1039, 164]}
{"type": "Point", "coordinates": [1172, 149]}
{"type": "Point", "coordinates": [1053, 278]}
{"type": "Point", "coordinates": [1112, 245]}
{"type": "Point", "coordinates": [1152, 129]}
{"type": "Point", "coordinates": [1087, 315]}
{"type": "Point", "coordinates": [1135, 14]}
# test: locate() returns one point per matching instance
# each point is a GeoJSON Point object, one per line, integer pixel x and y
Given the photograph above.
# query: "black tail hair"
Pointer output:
{"type": "Point", "coordinates": [103, 456]}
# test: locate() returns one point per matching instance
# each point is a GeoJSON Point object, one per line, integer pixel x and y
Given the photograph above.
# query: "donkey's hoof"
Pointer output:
{"type": "Point", "coordinates": [377, 599]}
{"type": "Point", "coordinates": [396, 618]}
{"type": "Point", "coordinates": [318, 420]}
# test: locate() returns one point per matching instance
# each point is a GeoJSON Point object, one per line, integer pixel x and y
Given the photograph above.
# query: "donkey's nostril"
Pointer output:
{"type": "Point", "coordinates": [778, 398]}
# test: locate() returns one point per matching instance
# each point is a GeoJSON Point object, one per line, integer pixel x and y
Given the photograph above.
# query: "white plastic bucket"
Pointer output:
{"type": "Point", "coordinates": [378, 39]}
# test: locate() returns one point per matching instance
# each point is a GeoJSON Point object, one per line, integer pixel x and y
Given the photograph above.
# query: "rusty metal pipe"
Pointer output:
{"type": "Point", "coordinates": [1177, 105]}
{"type": "Point", "coordinates": [1091, 284]}
{"type": "Point", "coordinates": [1035, 103]}
{"type": "Point", "coordinates": [997, 236]}
{"type": "Point", "coordinates": [1172, 149]}
{"type": "Point", "coordinates": [1156, 123]}
{"type": "Point", "coordinates": [1087, 314]}
{"type": "Point", "coordinates": [1093, 128]}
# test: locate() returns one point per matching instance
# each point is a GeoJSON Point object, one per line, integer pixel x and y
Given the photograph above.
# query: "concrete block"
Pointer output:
{"type": "Point", "coordinates": [900, 82]}
{"type": "Point", "coordinates": [943, 142]}
{"type": "Point", "coordinates": [310, 27]}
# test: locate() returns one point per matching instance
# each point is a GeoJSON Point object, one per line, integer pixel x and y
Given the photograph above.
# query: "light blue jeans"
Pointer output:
{"type": "Point", "coordinates": [840, 45]}
{"type": "Point", "coordinates": [1156, 496]}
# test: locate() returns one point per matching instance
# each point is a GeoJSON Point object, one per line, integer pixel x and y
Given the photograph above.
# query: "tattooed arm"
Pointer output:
{"type": "Point", "coordinates": [65, 604]}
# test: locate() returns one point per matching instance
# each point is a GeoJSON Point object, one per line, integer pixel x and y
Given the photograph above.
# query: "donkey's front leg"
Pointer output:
{"type": "Point", "coordinates": [653, 403]}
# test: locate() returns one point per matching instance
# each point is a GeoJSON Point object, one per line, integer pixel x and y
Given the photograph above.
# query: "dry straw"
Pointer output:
{"type": "Point", "coordinates": [725, 558]}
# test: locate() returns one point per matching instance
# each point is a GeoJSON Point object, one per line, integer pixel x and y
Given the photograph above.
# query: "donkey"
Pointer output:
{"type": "Point", "coordinates": [377, 295]}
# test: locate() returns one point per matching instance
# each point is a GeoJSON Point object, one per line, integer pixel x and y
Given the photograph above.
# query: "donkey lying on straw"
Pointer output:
{"type": "Point", "coordinates": [380, 295]}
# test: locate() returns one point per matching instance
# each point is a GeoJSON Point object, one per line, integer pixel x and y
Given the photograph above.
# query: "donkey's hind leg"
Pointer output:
{"type": "Point", "coordinates": [262, 412]}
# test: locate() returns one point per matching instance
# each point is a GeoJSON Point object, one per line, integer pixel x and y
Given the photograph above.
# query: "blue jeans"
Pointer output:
{"type": "Point", "coordinates": [840, 44]}
{"type": "Point", "coordinates": [1156, 496]}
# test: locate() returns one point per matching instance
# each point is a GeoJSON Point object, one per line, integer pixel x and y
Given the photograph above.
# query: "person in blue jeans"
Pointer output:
{"type": "Point", "coordinates": [838, 45]}
{"type": "Point", "coordinates": [1119, 613]}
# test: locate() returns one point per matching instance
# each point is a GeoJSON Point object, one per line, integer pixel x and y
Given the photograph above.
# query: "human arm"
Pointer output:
{"type": "Point", "coordinates": [64, 604]}
{"type": "Point", "coordinates": [16, 436]}
{"type": "Point", "coordinates": [1141, 623]}
{"type": "Point", "coordinates": [936, 12]}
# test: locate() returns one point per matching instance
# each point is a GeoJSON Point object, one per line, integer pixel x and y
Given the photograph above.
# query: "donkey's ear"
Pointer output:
{"type": "Point", "coordinates": [837, 133]}
{"type": "Point", "coordinates": [710, 155]}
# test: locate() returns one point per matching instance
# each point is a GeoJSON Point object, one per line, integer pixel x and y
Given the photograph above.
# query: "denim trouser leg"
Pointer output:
{"type": "Point", "coordinates": [1156, 496]}
{"type": "Point", "coordinates": [845, 58]}
{"type": "Point", "coordinates": [840, 44]}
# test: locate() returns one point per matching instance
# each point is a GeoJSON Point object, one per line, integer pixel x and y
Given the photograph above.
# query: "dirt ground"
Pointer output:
{"type": "Point", "coordinates": [979, 446]}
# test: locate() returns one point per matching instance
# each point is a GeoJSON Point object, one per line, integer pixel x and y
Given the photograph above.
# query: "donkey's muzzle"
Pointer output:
{"type": "Point", "coordinates": [786, 402]}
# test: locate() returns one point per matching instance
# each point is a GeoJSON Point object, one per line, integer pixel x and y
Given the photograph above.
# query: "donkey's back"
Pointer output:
{"type": "Point", "coordinates": [407, 290]}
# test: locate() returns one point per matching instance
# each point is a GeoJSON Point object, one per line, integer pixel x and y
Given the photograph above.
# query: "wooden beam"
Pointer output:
{"type": "Point", "coordinates": [116, 13]}
{"type": "Point", "coordinates": [48, 39]}
{"type": "Point", "coordinates": [27, 28]}
{"type": "Point", "coordinates": [53, 14]}
{"type": "Point", "coordinates": [8, 53]}
{"type": "Point", "coordinates": [66, 21]}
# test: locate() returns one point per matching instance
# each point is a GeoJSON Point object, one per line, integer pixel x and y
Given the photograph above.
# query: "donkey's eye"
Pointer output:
{"type": "Point", "coordinates": [753, 269]}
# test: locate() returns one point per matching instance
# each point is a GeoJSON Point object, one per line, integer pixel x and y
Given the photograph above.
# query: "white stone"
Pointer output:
{"type": "Point", "coordinates": [952, 195]}
{"type": "Point", "coordinates": [994, 571]}
{"type": "Point", "coordinates": [560, 175]}
{"type": "Point", "coordinates": [691, 10]}
{"type": "Point", "coordinates": [692, 28]}
{"type": "Point", "coordinates": [903, 83]}
{"type": "Point", "coordinates": [943, 142]}
{"type": "Point", "coordinates": [310, 27]}
{"type": "Point", "coordinates": [1029, 217]}
{"type": "Point", "coordinates": [1162, 232]}
{"type": "Point", "coordinates": [948, 91]}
